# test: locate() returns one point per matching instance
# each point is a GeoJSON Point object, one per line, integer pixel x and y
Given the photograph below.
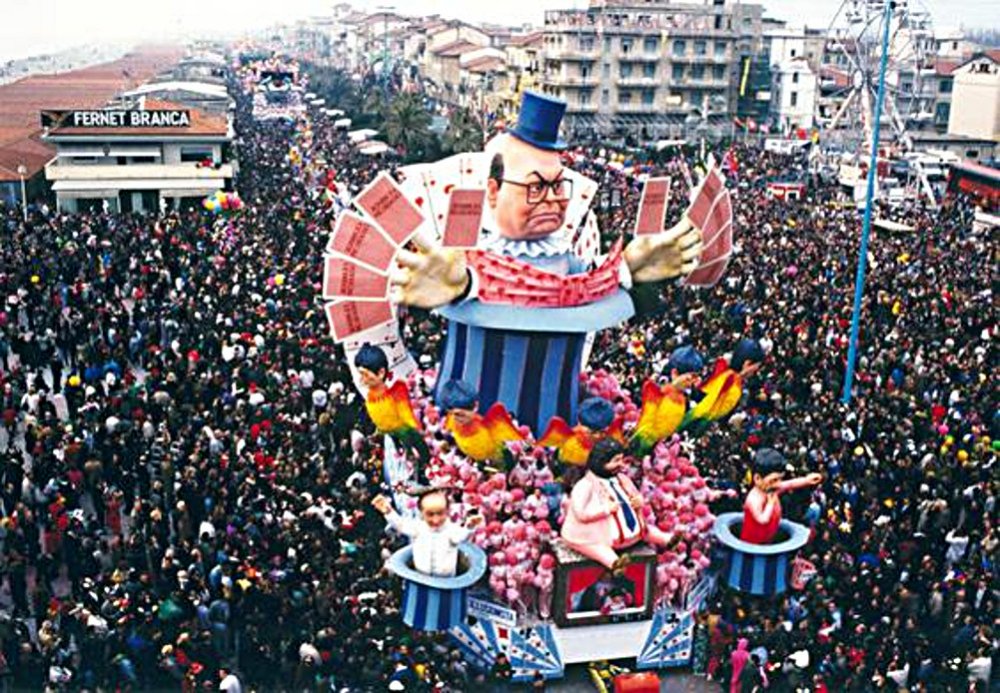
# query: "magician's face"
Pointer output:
{"type": "Point", "coordinates": [530, 202]}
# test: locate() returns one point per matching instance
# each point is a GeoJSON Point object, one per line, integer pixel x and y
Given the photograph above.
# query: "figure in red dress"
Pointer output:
{"type": "Point", "coordinates": [762, 508]}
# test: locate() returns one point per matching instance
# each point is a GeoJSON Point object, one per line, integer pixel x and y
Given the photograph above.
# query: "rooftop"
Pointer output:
{"type": "Point", "coordinates": [89, 87]}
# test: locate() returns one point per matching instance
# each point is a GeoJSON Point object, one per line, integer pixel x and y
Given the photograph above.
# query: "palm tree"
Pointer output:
{"type": "Point", "coordinates": [406, 126]}
{"type": "Point", "coordinates": [464, 134]}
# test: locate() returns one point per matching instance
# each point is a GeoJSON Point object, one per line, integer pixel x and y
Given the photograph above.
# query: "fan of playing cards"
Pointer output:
{"type": "Point", "coordinates": [443, 203]}
{"type": "Point", "coordinates": [712, 211]}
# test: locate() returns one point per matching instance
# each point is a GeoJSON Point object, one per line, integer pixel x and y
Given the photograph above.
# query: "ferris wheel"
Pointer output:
{"type": "Point", "coordinates": [851, 73]}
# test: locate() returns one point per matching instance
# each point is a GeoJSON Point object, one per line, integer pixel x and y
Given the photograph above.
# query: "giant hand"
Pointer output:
{"type": "Point", "coordinates": [664, 255]}
{"type": "Point", "coordinates": [429, 278]}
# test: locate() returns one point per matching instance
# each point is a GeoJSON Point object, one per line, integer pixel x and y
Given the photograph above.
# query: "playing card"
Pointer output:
{"type": "Point", "coordinates": [414, 187]}
{"type": "Point", "coordinates": [348, 318]}
{"type": "Point", "coordinates": [720, 216]}
{"type": "Point", "coordinates": [355, 238]}
{"type": "Point", "coordinates": [584, 191]}
{"type": "Point", "coordinates": [704, 198]}
{"type": "Point", "coordinates": [587, 244]}
{"type": "Point", "coordinates": [652, 206]}
{"type": "Point", "coordinates": [386, 204]}
{"type": "Point", "coordinates": [465, 215]}
{"type": "Point", "coordinates": [720, 247]}
{"type": "Point", "coordinates": [475, 170]}
{"type": "Point", "coordinates": [343, 278]}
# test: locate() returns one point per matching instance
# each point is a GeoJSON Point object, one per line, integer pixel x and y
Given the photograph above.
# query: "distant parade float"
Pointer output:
{"type": "Point", "coordinates": [551, 517]}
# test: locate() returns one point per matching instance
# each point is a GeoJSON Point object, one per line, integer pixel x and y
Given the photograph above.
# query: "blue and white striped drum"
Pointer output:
{"type": "Point", "coordinates": [759, 569]}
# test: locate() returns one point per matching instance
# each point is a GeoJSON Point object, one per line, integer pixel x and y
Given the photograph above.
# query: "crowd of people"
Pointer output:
{"type": "Point", "coordinates": [187, 470]}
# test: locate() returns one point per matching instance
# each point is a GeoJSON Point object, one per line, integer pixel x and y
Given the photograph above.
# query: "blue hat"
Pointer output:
{"type": "Point", "coordinates": [457, 394]}
{"type": "Point", "coordinates": [596, 413]}
{"type": "Point", "coordinates": [538, 122]}
{"type": "Point", "coordinates": [746, 350]}
{"type": "Point", "coordinates": [685, 360]}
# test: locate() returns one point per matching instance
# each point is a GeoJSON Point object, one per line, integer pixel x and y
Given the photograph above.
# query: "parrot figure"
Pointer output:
{"type": "Point", "coordinates": [389, 406]}
{"type": "Point", "coordinates": [597, 421]}
{"type": "Point", "coordinates": [663, 409]}
{"type": "Point", "coordinates": [722, 392]}
{"type": "Point", "coordinates": [482, 438]}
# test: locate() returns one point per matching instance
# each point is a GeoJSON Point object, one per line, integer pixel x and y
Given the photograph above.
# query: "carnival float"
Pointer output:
{"type": "Point", "coordinates": [552, 515]}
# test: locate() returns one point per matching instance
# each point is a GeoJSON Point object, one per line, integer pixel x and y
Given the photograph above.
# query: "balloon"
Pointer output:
{"type": "Point", "coordinates": [279, 279]}
{"type": "Point", "coordinates": [963, 456]}
{"type": "Point", "coordinates": [207, 204]}
{"type": "Point", "coordinates": [35, 279]}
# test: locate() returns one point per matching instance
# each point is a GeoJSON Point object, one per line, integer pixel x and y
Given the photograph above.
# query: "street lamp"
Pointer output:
{"type": "Point", "coordinates": [22, 171]}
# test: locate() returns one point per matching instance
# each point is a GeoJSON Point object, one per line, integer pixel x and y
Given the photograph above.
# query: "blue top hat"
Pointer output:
{"type": "Point", "coordinates": [538, 122]}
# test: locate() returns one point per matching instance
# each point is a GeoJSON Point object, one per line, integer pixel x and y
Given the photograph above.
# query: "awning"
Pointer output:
{"type": "Point", "coordinates": [175, 186]}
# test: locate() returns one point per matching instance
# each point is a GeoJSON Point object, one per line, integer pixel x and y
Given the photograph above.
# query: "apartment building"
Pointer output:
{"type": "Point", "coordinates": [977, 88]}
{"type": "Point", "coordinates": [648, 70]}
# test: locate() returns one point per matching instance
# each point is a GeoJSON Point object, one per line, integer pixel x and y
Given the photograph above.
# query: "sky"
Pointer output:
{"type": "Point", "coordinates": [30, 27]}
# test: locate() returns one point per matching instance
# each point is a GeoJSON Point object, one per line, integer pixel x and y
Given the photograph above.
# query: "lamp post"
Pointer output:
{"type": "Point", "coordinates": [22, 171]}
{"type": "Point", "coordinates": [385, 9]}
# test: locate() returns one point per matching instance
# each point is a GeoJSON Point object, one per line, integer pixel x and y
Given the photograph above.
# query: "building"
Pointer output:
{"type": "Point", "coordinates": [977, 88]}
{"type": "Point", "coordinates": [793, 94]}
{"type": "Point", "coordinates": [205, 97]}
{"type": "Point", "coordinates": [647, 70]}
{"type": "Point", "coordinates": [143, 158]}
{"type": "Point", "coordinates": [21, 146]}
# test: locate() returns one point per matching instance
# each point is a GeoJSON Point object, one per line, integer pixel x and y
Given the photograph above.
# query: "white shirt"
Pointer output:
{"type": "Point", "coordinates": [435, 551]}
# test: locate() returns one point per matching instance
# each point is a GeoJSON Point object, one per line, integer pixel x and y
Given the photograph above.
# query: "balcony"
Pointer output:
{"type": "Point", "coordinates": [558, 80]}
{"type": "Point", "coordinates": [581, 107]}
{"type": "Point", "coordinates": [637, 57]}
{"type": "Point", "coordinates": [164, 172]}
{"type": "Point", "coordinates": [573, 54]}
{"type": "Point", "coordinates": [637, 108]}
{"type": "Point", "coordinates": [638, 81]}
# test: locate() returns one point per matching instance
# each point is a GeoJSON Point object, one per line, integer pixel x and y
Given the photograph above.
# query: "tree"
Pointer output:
{"type": "Point", "coordinates": [464, 134]}
{"type": "Point", "coordinates": [407, 126]}
{"type": "Point", "coordinates": [336, 86]}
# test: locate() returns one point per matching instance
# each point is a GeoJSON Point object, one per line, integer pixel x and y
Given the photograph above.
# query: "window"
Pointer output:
{"type": "Point", "coordinates": [700, 47]}
{"type": "Point", "coordinates": [793, 53]}
{"type": "Point", "coordinates": [720, 49]}
{"type": "Point", "coordinates": [605, 97]}
{"type": "Point", "coordinates": [941, 113]}
{"type": "Point", "coordinates": [677, 72]}
{"type": "Point", "coordinates": [794, 99]}
{"type": "Point", "coordinates": [586, 44]}
{"type": "Point", "coordinates": [697, 99]}
{"type": "Point", "coordinates": [971, 153]}
{"type": "Point", "coordinates": [625, 70]}
{"type": "Point", "coordinates": [584, 98]}
{"type": "Point", "coordinates": [649, 70]}
{"type": "Point", "coordinates": [624, 97]}
{"type": "Point", "coordinates": [607, 44]}
{"type": "Point", "coordinates": [697, 72]}
{"type": "Point", "coordinates": [648, 96]}
{"type": "Point", "coordinates": [626, 46]}
{"type": "Point", "coordinates": [795, 78]}
{"type": "Point", "coordinates": [718, 72]}
{"type": "Point", "coordinates": [195, 154]}
{"type": "Point", "coordinates": [680, 48]}
{"type": "Point", "coordinates": [606, 70]}
{"type": "Point", "coordinates": [585, 71]}
{"type": "Point", "coordinates": [651, 45]}
{"type": "Point", "coordinates": [944, 86]}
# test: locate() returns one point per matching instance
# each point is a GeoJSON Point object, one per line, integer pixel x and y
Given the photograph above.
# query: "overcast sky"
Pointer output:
{"type": "Point", "coordinates": [38, 26]}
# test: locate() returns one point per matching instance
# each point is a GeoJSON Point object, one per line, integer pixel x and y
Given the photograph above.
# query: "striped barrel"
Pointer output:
{"type": "Point", "coordinates": [759, 569]}
{"type": "Point", "coordinates": [535, 374]}
{"type": "Point", "coordinates": [433, 603]}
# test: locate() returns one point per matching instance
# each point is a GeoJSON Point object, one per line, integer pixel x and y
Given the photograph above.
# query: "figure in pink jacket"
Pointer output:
{"type": "Point", "coordinates": [604, 514]}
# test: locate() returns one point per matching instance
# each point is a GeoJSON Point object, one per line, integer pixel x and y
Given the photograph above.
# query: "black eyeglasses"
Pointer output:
{"type": "Point", "coordinates": [562, 189]}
